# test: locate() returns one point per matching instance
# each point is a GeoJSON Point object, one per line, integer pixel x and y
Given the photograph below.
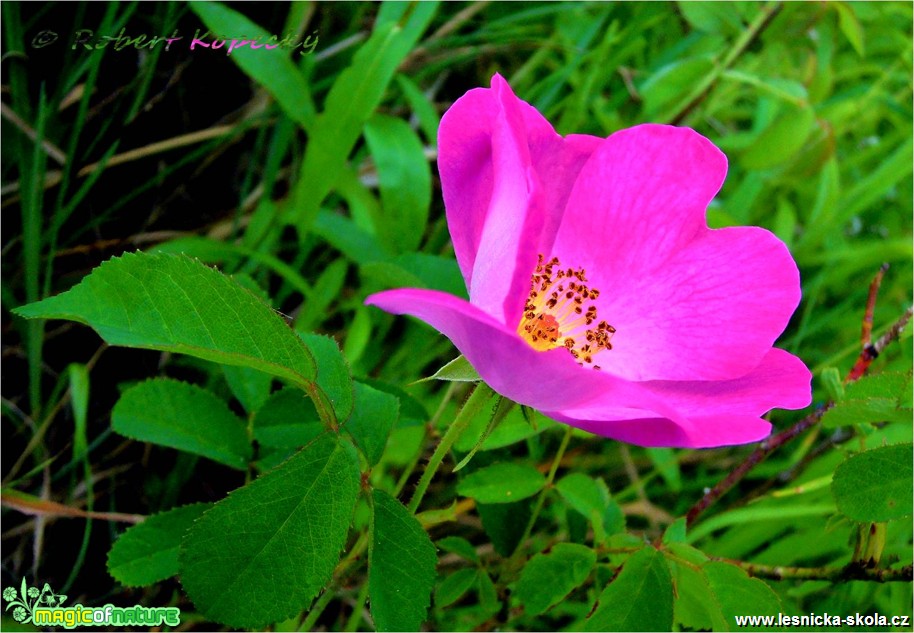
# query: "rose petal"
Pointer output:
{"type": "Point", "coordinates": [709, 312]}
{"type": "Point", "coordinates": [780, 381]}
{"type": "Point", "coordinates": [543, 380]}
{"type": "Point", "coordinates": [465, 165]}
{"type": "Point", "coordinates": [496, 225]}
{"type": "Point", "coordinates": [688, 303]}
{"type": "Point", "coordinates": [507, 246]}
{"type": "Point", "coordinates": [641, 196]}
{"type": "Point", "coordinates": [713, 413]}
{"type": "Point", "coordinates": [702, 432]}
{"type": "Point", "coordinates": [495, 154]}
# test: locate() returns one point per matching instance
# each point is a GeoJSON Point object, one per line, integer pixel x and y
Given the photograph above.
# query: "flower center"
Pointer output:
{"type": "Point", "coordinates": [557, 313]}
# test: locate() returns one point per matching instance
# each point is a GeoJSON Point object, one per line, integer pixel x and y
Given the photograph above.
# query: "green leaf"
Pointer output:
{"type": "Point", "coordinates": [890, 170]}
{"type": "Point", "coordinates": [174, 304]}
{"type": "Point", "coordinates": [675, 532]}
{"type": "Point", "coordinates": [778, 142]}
{"type": "Point", "coordinates": [504, 523]}
{"type": "Point", "coordinates": [287, 419]}
{"type": "Point", "coordinates": [502, 483]}
{"type": "Point", "coordinates": [183, 416]}
{"type": "Point", "coordinates": [757, 514]}
{"type": "Point", "coordinates": [640, 598]}
{"type": "Point", "coordinates": [213, 251]}
{"type": "Point", "coordinates": [333, 375]}
{"type": "Point", "coordinates": [352, 99]}
{"type": "Point", "coordinates": [735, 593]}
{"type": "Point", "coordinates": [326, 290]}
{"type": "Point", "coordinates": [78, 376]}
{"type": "Point", "coordinates": [422, 107]}
{"type": "Point", "coordinates": [497, 412]}
{"type": "Point", "coordinates": [454, 586]}
{"type": "Point", "coordinates": [272, 69]}
{"type": "Point", "coordinates": [488, 593]}
{"type": "Point", "coordinates": [850, 26]}
{"type": "Point", "coordinates": [458, 370]}
{"type": "Point", "coordinates": [890, 385]}
{"type": "Point", "coordinates": [516, 427]}
{"type": "Point", "coordinates": [390, 275]}
{"type": "Point", "coordinates": [374, 416]}
{"type": "Point", "coordinates": [249, 386]}
{"type": "Point", "coordinates": [513, 424]}
{"type": "Point", "coordinates": [460, 546]}
{"type": "Point", "coordinates": [696, 607]}
{"type": "Point", "coordinates": [673, 84]}
{"type": "Point", "coordinates": [831, 380]}
{"type": "Point", "coordinates": [412, 412]}
{"type": "Point", "coordinates": [260, 555]}
{"type": "Point", "coordinates": [548, 578]}
{"type": "Point", "coordinates": [792, 92]}
{"type": "Point", "coordinates": [591, 498]}
{"type": "Point", "coordinates": [347, 237]}
{"type": "Point", "coordinates": [849, 412]}
{"type": "Point", "coordinates": [882, 397]}
{"type": "Point", "coordinates": [712, 17]}
{"type": "Point", "coordinates": [148, 552]}
{"type": "Point", "coordinates": [680, 549]}
{"type": "Point", "coordinates": [435, 271]}
{"type": "Point", "coordinates": [875, 485]}
{"type": "Point", "coordinates": [405, 181]}
{"type": "Point", "coordinates": [401, 567]}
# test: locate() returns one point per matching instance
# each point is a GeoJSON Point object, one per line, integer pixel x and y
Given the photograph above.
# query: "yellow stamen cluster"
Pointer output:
{"type": "Point", "coordinates": [557, 313]}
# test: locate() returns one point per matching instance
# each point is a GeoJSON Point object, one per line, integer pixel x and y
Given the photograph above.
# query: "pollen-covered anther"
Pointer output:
{"type": "Point", "coordinates": [557, 313]}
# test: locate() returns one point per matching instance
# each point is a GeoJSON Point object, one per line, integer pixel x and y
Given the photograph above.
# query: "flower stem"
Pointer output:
{"type": "Point", "coordinates": [556, 461]}
{"type": "Point", "coordinates": [407, 473]}
{"type": "Point", "coordinates": [481, 393]}
{"type": "Point", "coordinates": [851, 571]}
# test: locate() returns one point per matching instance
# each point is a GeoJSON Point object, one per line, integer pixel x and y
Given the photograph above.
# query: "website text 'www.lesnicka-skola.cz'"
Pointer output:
{"type": "Point", "coordinates": [824, 620]}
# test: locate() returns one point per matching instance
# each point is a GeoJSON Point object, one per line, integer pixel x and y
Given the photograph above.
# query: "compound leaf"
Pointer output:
{"type": "Point", "coordinates": [182, 416]}
{"type": "Point", "coordinates": [148, 552]}
{"type": "Point", "coordinates": [548, 578]}
{"type": "Point", "coordinates": [640, 598]}
{"type": "Point", "coordinates": [260, 555]}
{"type": "Point", "coordinates": [875, 485]}
{"type": "Point", "coordinates": [333, 375]}
{"type": "Point", "coordinates": [735, 593]}
{"type": "Point", "coordinates": [401, 567]}
{"type": "Point", "coordinates": [502, 483]}
{"type": "Point", "coordinates": [175, 304]}
{"type": "Point", "coordinates": [372, 419]}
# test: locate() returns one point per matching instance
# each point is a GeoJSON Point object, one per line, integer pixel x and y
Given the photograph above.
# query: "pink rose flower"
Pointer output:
{"type": "Point", "coordinates": [598, 295]}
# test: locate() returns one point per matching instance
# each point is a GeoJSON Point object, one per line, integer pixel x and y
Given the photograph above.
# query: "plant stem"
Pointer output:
{"type": "Point", "coordinates": [355, 618]}
{"type": "Point", "coordinates": [852, 571]}
{"type": "Point", "coordinates": [448, 394]}
{"type": "Point", "coordinates": [481, 393]}
{"type": "Point", "coordinates": [755, 458]}
{"type": "Point", "coordinates": [556, 461]}
{"type": "Point", "coordinates": [317, 609]}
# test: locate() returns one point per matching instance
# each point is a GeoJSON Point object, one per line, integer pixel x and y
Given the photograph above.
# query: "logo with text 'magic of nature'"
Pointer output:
{"type": "Point", "coordinates": [43, 608]}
